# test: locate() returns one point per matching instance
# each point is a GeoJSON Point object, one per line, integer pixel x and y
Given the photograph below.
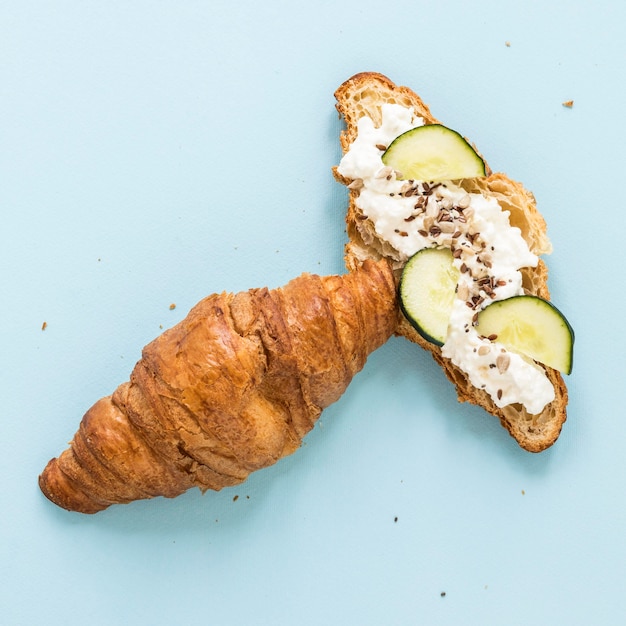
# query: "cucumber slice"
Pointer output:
{"type": "Point", "coordinates": [531, 326]}
{"type": "Point", "coordinates": [433, 153]}
{"type": "Point", "coordinates": [427, 292]}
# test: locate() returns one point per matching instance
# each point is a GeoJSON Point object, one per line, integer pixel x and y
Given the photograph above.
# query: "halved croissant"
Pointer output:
{"type": "Point", "coordinates": [231, 389]}
{"type": "Point", "coordinates": [365, 94]}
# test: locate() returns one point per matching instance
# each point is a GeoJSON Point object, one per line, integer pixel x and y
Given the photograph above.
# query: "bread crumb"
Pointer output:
{"type": "Point", "coordinates": [235, 498]}
{"type": "Point", "coordinates": [568, 104]}
{"type": "Point", "coordinates": [443, 594]}
{"type": "Point", "coordinates": [44, 326]}
{"type": "Point", "coordinates": [507, 44]}
{"type": "Point", "coordinates": [172, 306]}
{"type": "Point", "coordinates": [523, 492]}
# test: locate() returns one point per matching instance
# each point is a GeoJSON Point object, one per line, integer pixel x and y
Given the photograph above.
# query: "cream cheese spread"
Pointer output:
{"type": "Point", "coordinates": [487, 250]}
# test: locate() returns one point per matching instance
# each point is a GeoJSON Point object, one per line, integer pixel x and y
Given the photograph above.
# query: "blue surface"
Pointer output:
{"type": "Point", "coordinates": [154, 152]}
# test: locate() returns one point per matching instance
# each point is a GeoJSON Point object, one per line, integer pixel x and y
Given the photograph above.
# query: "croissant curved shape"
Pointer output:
{"type": "Point", "coordinates": [231, 389]}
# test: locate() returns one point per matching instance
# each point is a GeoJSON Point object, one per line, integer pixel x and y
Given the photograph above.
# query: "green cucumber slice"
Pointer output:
{"type": "Point", "coordinates": [433, 153]}
{"type": "Point", "coordinates": [427, 292]}
{"type": "Point", "coordinates": [531, 326]}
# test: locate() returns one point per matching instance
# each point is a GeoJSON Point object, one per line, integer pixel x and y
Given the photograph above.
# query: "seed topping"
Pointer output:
{"type": "Point", "coordinates": [502, 362]}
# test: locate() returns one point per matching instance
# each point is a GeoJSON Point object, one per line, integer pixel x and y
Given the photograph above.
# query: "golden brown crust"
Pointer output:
{"type": "Point", "coordinates": [232, 388]}
{"type": "Point", "coordinates": [364, 94]}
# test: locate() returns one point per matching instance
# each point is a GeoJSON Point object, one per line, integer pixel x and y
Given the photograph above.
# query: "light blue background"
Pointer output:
{"type": "Point", "coordinates": [153, 152]}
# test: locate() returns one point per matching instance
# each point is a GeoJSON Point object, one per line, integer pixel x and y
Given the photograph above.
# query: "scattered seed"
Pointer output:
{"type": "Point", "coordinates": [356, 184]}
{"type": "Point", "coordinates": [486, 261]}
{"type": "Point", "coordinates": [484, 350]}
{"type": "Point", "coordinates": [446, 227]}
{"type": "Point", "coordinates": [381, 147]}
{"type": "Point", "coordinates": [502, 362]}
{"type": "Point", "coordinates": [384, 172]}
{"type": "Point", "coordinates": [464, 201]}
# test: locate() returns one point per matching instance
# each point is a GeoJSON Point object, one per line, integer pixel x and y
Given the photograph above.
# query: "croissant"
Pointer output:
{"type": "Point", "coordinates": [364, 95]}
{"type": "Point", "coordinates": [231, 389]}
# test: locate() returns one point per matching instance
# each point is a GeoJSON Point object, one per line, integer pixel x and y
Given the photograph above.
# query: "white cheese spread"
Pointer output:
{"type": "Point", "coordinates": [487, 250]}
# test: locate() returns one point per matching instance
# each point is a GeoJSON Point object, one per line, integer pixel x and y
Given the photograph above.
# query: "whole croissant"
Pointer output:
{"type": "Point", "coordinates": [231, 389]}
